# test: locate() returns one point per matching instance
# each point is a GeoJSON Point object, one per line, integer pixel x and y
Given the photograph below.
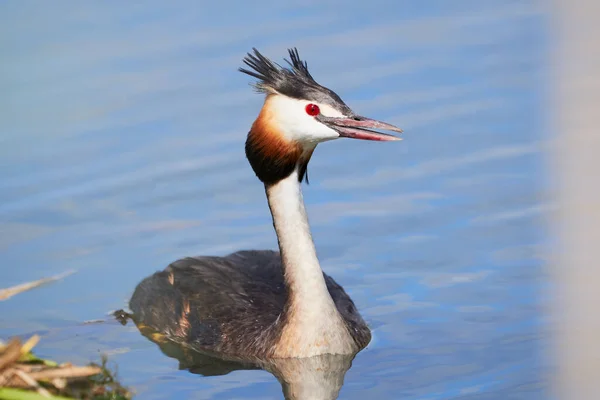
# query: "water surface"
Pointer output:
{"type": "Point", "coordinates": [121, 150]}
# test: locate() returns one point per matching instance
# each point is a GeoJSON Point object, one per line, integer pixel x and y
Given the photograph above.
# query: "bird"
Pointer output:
{"type": "Point", "coordinates": [268, 304]}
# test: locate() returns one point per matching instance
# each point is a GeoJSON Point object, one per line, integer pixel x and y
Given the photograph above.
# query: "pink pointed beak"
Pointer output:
{"type": "Point", "coordinates": [360, 128]}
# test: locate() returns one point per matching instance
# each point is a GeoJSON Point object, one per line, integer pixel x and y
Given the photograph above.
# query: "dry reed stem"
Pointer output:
{"type": "Point", "coordinates": [14, 290]}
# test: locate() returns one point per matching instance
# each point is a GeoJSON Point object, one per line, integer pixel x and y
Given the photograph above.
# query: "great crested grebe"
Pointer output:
{"type": "Point", "coordinates": [262, 303]}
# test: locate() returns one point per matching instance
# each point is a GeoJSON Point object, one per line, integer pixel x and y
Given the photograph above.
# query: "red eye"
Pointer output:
{"type": "Point", "coordinates": [312, 109]}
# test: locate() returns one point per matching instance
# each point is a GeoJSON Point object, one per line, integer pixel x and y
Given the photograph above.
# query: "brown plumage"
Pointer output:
{"type": "Point", "coordinates": [271, 155]}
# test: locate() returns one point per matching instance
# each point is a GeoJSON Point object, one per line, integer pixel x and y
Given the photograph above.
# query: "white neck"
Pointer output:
{"type": "Point", "coordinates": [313, 324]}
{"type": "Point", "coordinates": [311, 378]}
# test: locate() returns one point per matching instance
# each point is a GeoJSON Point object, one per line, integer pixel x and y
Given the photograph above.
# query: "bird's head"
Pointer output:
{"type": "Point", "coordinates": [298, 114]}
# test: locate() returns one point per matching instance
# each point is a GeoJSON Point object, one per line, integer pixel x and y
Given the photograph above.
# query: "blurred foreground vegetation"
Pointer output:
{"type": "Point", "coordinates": [24, 376]}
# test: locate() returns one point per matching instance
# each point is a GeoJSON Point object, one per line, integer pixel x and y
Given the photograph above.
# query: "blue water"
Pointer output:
{"type": "Point", "coordinates": [121, 149]}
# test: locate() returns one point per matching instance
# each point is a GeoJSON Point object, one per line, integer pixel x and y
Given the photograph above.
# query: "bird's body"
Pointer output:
{"type": "Point", "coordinates": [266, 304]}
{"type": "Point", "coordinates": [210, 303]}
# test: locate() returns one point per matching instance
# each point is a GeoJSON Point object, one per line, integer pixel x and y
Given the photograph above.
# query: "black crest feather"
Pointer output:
{"type": "Point", "coordinates": [295, 81]}
{"type": "Point", "coordinates": [274, 77]}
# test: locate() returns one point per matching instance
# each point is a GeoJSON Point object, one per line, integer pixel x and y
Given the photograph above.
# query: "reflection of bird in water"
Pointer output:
{"type": "Point", "coordinates": [269, 304]}
{"type": "Point", "coordinates": [311, 378]}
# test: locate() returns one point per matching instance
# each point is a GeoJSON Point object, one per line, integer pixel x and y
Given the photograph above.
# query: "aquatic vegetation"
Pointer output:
{"type": "Point", "coordinates": [24, 376]}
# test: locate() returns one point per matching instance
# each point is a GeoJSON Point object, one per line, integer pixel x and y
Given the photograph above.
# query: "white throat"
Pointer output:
{"type": "Point", "coordinates": [313, 324]}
